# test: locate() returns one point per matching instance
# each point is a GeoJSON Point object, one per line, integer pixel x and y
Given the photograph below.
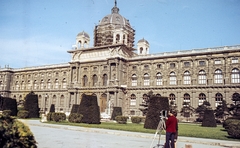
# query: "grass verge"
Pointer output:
{"type": "Point", "coordinates": [185, 129]}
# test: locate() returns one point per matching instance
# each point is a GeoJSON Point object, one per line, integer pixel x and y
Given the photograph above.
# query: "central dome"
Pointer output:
{"type": "Point", "coordinates": [114, 18]}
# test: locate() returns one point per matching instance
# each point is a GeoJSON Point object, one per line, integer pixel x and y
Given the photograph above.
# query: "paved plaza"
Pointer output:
{"type": "Point", "coordinates": [63, 136]}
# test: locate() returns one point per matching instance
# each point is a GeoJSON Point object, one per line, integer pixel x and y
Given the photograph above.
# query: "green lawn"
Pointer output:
{"type": "Point", "coordinates": [185, 129]}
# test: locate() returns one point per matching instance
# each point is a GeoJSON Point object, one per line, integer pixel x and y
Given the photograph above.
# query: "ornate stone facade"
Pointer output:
{"type": "Point", "coordinates": [119, 76]}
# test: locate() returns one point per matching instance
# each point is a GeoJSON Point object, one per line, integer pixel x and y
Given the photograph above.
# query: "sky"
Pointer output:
{"type": "Point", "coordinates": [40, 32]}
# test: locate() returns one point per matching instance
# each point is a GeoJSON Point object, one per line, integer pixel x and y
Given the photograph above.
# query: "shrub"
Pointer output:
{"type": "Point", "coordinates": [75, 118]}
{"type": "Point", "coordinates": [52, 108]}
{"type": "Point", "coordinates": [8, 104]}
{"type": "Point", "coordinates": [136, 119]}
{"type": "Point", "coordinates": [234, 129]}
{"type": "Point", "coordinates": [7, 112]}
{"type": "Point", "coordinates": [227, 122]}
{"type": "Point", "coordinates": [89, 109]}
{"type": "Point", "coordinates": [31, 105]}
{"type": "Point", "coordinates": [57, 117]}
{"type": "Point", "coordinates": [156, 105]}
{"type": "Point", "coordinates": [209, 119]}
{"type": "Point", "coordinates": [117, 111]}
{"type": "Point", "coordinates": [22, 114]}
{"type": "Point", "coordinates": [14, 133]}
{"type": "Point", "coordinates": [121, 119]}
{"type": "Point", "coordinates": [49, 116]}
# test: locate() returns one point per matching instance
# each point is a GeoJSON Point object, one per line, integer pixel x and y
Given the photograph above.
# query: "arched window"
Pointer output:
{"type": "Point", "coordinates": [235, 76]}
{"type": "Point", "coordinates": [23, 85]}
{"type": "Point", "coordinates": [64, 83]}
{"type": "Point", "coordinates": [54, 100]}
{"type": "Point", "coordinates": [117, 38]}
{"type": "Point", "coordinates": [186, 99]}
{"type": "Point", "coordinates": [218, 99]}
{"type": "Point", "coordinates": [202, 77]}
{"type": "Point", "coordinates": [141, 50]}
{"type": "Point", "coordinates": [1, 85]}
{"type": "Point", "coordinates": [202, 98]}
{"type": "Point", "coordinates": [94, 80]}
{"type": "Point", "coordinates": [134, 80]}
{"type": "Point", "coordinates": [186, 77]}
{"type": "Point", "coordinates": [56, 84]}
{"type": "Point", "coordinates": [49, 84]}
{"type": "Point", "coordinates": [35, 84]}
{"type": "Point", "coordinates": [61, 101]}
{"type": "Point", "coordinates": [17, 85]}
{"type": "Point", "coordinates": [42, 84]}
{"type": "Point", "coordinates": [145, 98]}
{"type": "Point", "coordinates": [85, 80]}
{"type": "Point", "coordinates": [218, 76]}
{"type": "Point", "coordinates": [29, 85]}
{"type": "Point", "coordinates": [236, 98]}
{"type": "Point", "coordinates": [133, 100]}
{"type": "Point", "coordinates": [159, 78]}
{"type": "Point", "coordinates": [173, 78]}
{"type": "Point", "coordinates": [172, 97]}
{"type": "Point", "coordinates": [146, 79]}
{"type": "Point", "coordinates": [105, 79]}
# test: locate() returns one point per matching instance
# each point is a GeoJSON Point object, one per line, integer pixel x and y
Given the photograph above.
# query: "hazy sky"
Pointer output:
{"type": "Point", "coordinates": [40, 32]}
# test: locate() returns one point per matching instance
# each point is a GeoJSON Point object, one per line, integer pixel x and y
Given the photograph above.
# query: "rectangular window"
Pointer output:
{"type": "Point", "coordinates": [202, 63]}
{"type": "Point", "coordinates": [134, 67]}
{"type": "Point", "coordinates": [146, 67]}
{"type": "Point", "coordinates": [217, 62]}
{"type": "Point", "coordinates": [187, 64]}
{"type": "Point", "coordinates": [234, 60]}
{"type": "Point", "coordinates": [172, 65]}
{"type": "Point", "coordinates": [159, 65]}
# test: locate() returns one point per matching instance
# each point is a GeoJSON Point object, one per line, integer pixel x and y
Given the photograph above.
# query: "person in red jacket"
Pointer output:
{"type": "Point", "coordinates": [171, 129]}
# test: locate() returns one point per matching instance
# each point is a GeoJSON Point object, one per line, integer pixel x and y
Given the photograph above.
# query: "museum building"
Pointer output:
{"type": "Point", "coordinates": [122, 76]}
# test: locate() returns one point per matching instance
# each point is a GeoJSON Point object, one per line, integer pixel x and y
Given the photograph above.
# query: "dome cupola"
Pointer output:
{"type": "Point", "coordinates": [82, 40]}
{"type": "Point", "coordinates": [143, 47]}
{"type": "Point", "coordinates": [114, 29]}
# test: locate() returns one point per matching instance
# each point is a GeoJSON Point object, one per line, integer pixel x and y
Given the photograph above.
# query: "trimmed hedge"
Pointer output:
{"type": "Point", "coordinates": [156, 105]}
{"type": "Point", "coordinates": [8, 104]}
{"type": "Point", "coordinates": [117, 111]}
{"type": "Point", "coordinates": [75, 118]}
{"type": "Point", "coordinates": [31, 105]}
{"type": "Point", "coordinates": [22, 114]}
{"type": "Point", "coordinates": [57, 117]}
{"type": "Point", "coordinates": [234, 129]}
{"type": "Point", "coordinates": [121, 119]}
{"type": "Point", "coordinates": [209, 118]}
{"type": "Point", "coordinates": [89, 109]}
{"type": "Point", "coordinates": [136, 120]}
{"type": "Point", "coordinates": [52, 108]}
{"type": "Point", "coordinates": [15, 134]}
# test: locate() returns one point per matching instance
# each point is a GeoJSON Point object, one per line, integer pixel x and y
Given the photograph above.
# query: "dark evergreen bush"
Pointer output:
{"type": "Point", "coordinates": [209, 119]}
{"type": "Point", "coordinates": [75, 118]}
{"type": "Point", "coordinates": [15, 134]}
{"type": "Point", "coordinates": [234, 129]}
{"type": "Point", "coordinates": [89, 109]}
{"type": "Point", "coordinates": [75, 108]}
{"type": "Point", "coordinates": [121, 119]}
{"type": "Point", "coordinates": [136, 119]}
{"type": "Point", "coordinates": [8, 104]}
{"type": "Point", "coordinates": [156, 105]}
{"type": "Point", "coordinates": [31, 105]}
{"type": "Point", "coordinates": [52, 108]}
{"type": "Point", "coordinates": [117, 111]}
{"type": "Point", "coordinates": [22, 114]}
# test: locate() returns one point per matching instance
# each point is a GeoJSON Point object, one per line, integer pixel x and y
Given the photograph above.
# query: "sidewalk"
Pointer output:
{"type": "Point", "coordinates": [133, 136]}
